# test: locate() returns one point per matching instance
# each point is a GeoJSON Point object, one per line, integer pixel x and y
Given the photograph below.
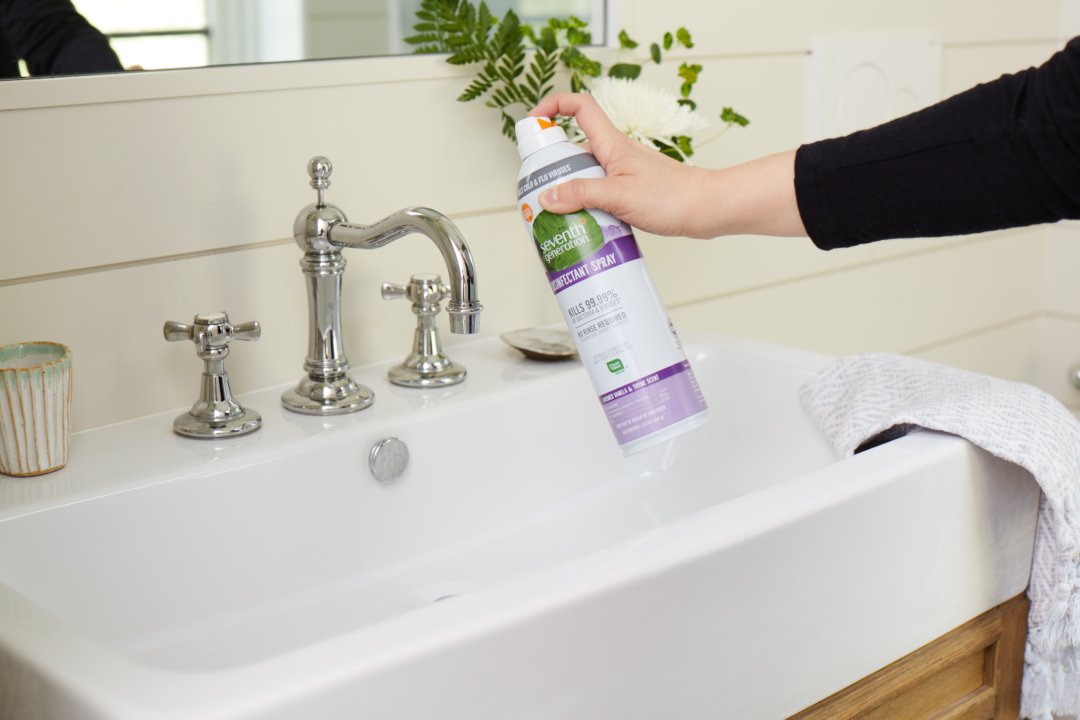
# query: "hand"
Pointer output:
{"type": "Point", "coordinates": [644, 187]}
{"type": "Point", "coordinates": [655, 193]}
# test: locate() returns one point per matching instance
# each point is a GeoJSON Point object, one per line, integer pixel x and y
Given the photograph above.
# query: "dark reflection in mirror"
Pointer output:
{"type": "Point", "coordinates": [56, 37]}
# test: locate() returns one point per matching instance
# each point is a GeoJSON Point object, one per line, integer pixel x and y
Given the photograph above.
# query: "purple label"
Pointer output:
{"type": "Point", "coordinates": [612, 254]}
{"type": "Point", "coordinates": [653, 402]}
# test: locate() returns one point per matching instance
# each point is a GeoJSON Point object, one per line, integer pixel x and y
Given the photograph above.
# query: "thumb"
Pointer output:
{"type": "Point", "coordinates": [574, 195]}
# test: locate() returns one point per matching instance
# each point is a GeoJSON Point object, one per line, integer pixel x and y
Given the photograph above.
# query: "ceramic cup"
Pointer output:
{"type": "Point", "coordinates": [35, 407]}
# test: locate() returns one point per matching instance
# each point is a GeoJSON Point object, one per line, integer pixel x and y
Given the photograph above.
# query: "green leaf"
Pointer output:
{"type": "Point", "coordinates": [630, 71]}
{"type": "Point", "coordinates": [683, 36]}
{"type": "Point", "coordinates": [508, 35]}
{"type": "Point", "coordinates": [514, 64]}
{"type": "Point", "coordinates": [687, 102]}
{"type": "Point", "coordinates": [684, 143]}
{"type": "Point", "coordinates": [689, 72]}
{"type": "Point", "coordinates": [545, 40]}
{"type": "Point", "coordinates": [465, 56]}
{"type": "Point", "coordinates": [668, 150]}
{"type": "Point", "coordinates": [579, 62]}
{"type": "Point", "coordinates": [510, 67]}
{"type": "Point", "coordinates": [476, 88]}
{"type": "Point", "coordinates": [677, 148]}
{"type": "Point", "coordinates": [508, 123]}
{"type": "Point", "coordinates": [484, 20]}
{"type": "Point", "coordinates": [625, 42]}
{"type": "Point", "coordinates": [731, 117]}
{"type": "Point", "coordinates": [668, 40]}
{"type": "Point", "coordinates": [541, 71]}
{"type": "Point", "coordinates": [423, 40]}
{"type": "Point", "coordinates": [576, 37]}
{"type": "Point", "coordinates": [654, 52]}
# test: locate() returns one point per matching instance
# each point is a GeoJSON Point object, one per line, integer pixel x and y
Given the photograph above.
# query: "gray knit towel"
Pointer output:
{"type": "Point", "coordinates": [862, 396]}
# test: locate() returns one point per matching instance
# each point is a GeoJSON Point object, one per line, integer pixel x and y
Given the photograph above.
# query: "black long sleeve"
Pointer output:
{"type": "Point", "coordinates": [1003, 154]}
{"type": "Point", "coordinates": [53, 39]}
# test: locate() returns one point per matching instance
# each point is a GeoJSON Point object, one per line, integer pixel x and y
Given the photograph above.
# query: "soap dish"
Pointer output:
{"type": "Point", "coordinates": [541, 343]}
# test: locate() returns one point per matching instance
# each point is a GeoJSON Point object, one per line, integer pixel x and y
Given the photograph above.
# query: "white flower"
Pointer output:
{"type": "Point", "coordinates": [645, 113]}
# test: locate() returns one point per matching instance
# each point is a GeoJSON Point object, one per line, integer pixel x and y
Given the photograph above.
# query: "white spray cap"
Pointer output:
{"type": "Point", "coordinates": [534, 133]}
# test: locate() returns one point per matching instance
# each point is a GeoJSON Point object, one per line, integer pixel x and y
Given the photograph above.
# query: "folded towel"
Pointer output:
{"type": "Point", "coordinates": [863, 396]}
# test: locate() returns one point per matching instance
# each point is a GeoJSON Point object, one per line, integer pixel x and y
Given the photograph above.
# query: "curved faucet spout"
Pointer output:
{"type": "Point", "coordinates": [464, 306]}
{"type": "Point", "coordinates": [321, 230]}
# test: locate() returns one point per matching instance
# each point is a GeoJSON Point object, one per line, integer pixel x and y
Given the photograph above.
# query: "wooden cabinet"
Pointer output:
{"type": "Point", "coordinates": [971, 673]}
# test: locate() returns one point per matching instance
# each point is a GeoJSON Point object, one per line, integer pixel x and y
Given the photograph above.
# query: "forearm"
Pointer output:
{"type": "Point", "coordinates": [1003, 154]}
{"type": "Point", "coordinates": [754, 198]}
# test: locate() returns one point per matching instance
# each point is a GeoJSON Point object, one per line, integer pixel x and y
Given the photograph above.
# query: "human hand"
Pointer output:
{"type": "Point", "coordinates": [644, 187]}
{"type": "Point", "coordinates": [660, 195]}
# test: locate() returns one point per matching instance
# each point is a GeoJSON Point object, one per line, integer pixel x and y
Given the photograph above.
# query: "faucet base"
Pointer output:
{"type": "Point", "coordinates": [234, 425]}
{"type": "Point", "coordinates": [327, 397]}
{"type": "Point", "coordinates": [446, 373]}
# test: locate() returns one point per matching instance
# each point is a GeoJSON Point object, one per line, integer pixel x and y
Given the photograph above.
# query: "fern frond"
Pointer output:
{"type": "Point", "coordinates": [508, 127]}
{"type": "Point", "coordinates": [476, 89]}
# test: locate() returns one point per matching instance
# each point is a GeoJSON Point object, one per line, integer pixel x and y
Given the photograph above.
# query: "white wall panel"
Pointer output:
{"type": "Point", "coordinates": [170, 176]}
{"type": "Point", "coordinates": [123, 367]}
{"type": "Point", "coordinates": [1006, 351]}
{"type": "Point", "coordinates": [907, 302]}
{"type": "Point", "coordinates": [1058, 352]}
{"type": "Point", "coordinates": [1061, 283]}
{"type": "Point", "coordinates": [786, 26]}
{"type": "Point", "coordinates": [124, 199]}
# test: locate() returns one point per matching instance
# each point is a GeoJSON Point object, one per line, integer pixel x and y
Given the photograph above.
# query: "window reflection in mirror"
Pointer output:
{"type": "Point", "coordinates": [195, 33]}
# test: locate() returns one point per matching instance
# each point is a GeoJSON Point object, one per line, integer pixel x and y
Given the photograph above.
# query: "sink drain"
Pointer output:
{"type": "Point", "coordinates": [388, 459]}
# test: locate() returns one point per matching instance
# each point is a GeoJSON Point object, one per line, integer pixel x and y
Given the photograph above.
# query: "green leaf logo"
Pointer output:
{"type": "Point", "coordinates": [565, 240]}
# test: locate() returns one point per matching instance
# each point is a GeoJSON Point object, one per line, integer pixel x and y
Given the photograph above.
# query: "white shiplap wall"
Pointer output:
{"type": "Point", "coordinates": [126, 201]}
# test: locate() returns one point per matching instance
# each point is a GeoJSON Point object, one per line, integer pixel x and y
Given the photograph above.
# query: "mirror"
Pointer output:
{"type": "Point", "coordinates": [198, 33]}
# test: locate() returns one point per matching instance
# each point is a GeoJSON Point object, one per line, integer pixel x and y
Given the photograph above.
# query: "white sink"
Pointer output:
{"type": "Point", "coordinates": [520, 568]}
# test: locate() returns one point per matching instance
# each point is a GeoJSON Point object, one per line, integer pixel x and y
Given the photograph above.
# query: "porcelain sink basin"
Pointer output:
{"type": "Point", "coordinates": [520, 567]}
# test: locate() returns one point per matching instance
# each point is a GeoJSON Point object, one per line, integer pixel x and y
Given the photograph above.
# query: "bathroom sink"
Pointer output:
{"type": "Point", "coordinates": [520, 567]}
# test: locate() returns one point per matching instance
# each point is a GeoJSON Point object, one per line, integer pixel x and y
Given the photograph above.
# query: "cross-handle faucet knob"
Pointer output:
{"type": "Point", "coordinates": [216, 413]}
{"type": "Point", "coordinates": [211, 332]}
{"type": "Point", "coordinates": [425, 292]}
{"type": "Point", "coordinates": [426, 366]}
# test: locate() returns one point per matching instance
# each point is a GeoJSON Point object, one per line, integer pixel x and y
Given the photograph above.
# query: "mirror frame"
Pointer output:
{"type": "Point", "coordinates": [49, 92]}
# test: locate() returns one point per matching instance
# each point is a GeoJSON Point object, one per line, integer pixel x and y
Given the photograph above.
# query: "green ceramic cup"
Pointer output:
{"type": "Point", "coordinates": [35, 407]}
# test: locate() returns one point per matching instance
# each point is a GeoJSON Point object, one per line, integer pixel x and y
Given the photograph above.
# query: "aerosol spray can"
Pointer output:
{"type": "Point", "coordinates": [621, 329]}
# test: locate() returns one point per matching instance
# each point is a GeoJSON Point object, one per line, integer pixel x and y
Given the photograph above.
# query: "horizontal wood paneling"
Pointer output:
{"type": "Point", "coordinates": [1058, 351]}
{"type": "Point", "coordinates": [906, 303]}
{"type": "Point", "coordinates": [123, 368]}
{"type": "Point", "coordinates": [778, 25]}
{"type": "Point", "coordinates": [163, 177]}
{"type": "Point", "coordinates": [181, 175]}
{"type": "Point", "coordinates": [1008, 350]}
{"type": "Point", "coordinates": [122, 191]}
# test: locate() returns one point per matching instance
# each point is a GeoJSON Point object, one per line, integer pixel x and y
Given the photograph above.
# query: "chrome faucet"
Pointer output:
{"type": "Point", "coordinates": [321, 231]}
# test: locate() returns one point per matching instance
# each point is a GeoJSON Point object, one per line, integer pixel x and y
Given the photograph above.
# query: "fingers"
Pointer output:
{"type": "Point", "coordinates": [590, 118]}
{"type": "Point", "coordinates": [574, 195]}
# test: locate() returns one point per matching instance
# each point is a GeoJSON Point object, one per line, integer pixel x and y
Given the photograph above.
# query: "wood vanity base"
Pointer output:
{"type": "Point", "coordinates": [970, 673]}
